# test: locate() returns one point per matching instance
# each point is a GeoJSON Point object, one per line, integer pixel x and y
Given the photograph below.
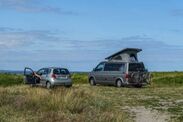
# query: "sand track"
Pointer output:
{"type": "Point", "coordinates": [143, 114]}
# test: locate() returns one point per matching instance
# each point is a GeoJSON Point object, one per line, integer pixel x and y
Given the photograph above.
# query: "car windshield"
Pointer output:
{"type": "Point", "coordinates": [60, 71]}
{"type": "Point", "coordinates": [136, 67]}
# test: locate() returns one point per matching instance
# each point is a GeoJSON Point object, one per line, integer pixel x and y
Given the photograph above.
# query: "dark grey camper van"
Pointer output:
{"type": "Point", "coordinates": [121, 69]}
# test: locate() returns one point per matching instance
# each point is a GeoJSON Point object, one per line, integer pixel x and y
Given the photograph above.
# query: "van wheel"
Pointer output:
{"type": "Point", "coordinates": [118, 83]}
{"type": "Point", "coordinates": [48, 85]}
{"type": "Point", "coordinates": [92, 82]}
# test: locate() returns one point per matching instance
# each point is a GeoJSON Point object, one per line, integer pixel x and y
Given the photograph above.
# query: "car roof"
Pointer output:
{"type": "Point", "coordinates": [54, 68]}
{"type": "Point", "coordinates": [118, 62]}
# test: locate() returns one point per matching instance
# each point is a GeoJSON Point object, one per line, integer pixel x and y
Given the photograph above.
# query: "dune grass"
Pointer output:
{"type": "Point", "coordinates": [21, 103]}
{"type": "Point", "coordinates": [170, 79]}
{"type": "Point", "coordinates": [10, 79]}
{"type": "Point", "coordinates": [24, 103]}
{"type": "Point", "coordinates": [80, 78]}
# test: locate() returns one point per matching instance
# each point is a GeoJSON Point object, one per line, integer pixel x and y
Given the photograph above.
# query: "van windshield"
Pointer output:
{"type": "Point", "coordinates": [136, 67]}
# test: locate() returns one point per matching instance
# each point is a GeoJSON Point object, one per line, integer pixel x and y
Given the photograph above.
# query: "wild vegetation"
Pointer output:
{"type": "Point", "coordinates": [19, 102]}
{"type": "Point", "coordinates": [10, 79]}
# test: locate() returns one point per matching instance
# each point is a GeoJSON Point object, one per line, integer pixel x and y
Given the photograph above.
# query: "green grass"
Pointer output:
{"type": "Point", "coordinates": [80, 78]}
{"type": "Point", "coordinates": [78, 104]}
{"type": "Point", "coordinates": [167, 79]}
{"type": "Point", "coordinates": [82, 102]}
{"type": "Point", "coordinates": [10, 79]}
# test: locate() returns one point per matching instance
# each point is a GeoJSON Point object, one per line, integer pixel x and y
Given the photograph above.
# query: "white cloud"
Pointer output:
{"type": "Point", "coordinates": [38, 48]}
{"type": "Point", "coordinates": [17, 38]}
{"type": "Point", "coordinates": [33, 6]}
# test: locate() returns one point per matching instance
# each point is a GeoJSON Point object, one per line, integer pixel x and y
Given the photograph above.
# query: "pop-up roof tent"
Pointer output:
{"type": "Point", "coordinates": [125, 55]}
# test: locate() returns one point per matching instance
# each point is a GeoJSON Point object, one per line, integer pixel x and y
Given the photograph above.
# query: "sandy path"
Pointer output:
{"type": "Point", "coordinates": [143, 114]}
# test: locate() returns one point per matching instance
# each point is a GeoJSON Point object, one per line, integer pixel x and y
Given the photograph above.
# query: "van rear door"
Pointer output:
{"type": "Point", "coordinates": [137, 73]}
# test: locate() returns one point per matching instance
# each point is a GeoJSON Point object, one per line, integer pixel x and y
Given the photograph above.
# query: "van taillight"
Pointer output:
{"type": "Point", "coordinates": [53, 76]}
{"type": "Point", "coordinates": [127, 76]}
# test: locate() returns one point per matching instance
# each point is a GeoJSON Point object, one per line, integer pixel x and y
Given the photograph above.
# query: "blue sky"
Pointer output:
{"type": "Point", "coordinates": [78, 34]}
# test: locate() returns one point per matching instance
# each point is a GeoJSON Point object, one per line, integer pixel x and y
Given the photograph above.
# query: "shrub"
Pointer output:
{"type": "Point", "coordinates": [10, 79]}
{"type": "Point", "coordinates": [80, 78]}
{"type": "Point", "coordinates": [167, 79]}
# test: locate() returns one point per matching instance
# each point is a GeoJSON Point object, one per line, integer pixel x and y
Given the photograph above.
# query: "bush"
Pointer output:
{"type": "Point", "coordinates": [80, 78]}
{"type": "Point", "coordinates": [167, 78]}
{"type": "Point", "coordinates": [10, 79]}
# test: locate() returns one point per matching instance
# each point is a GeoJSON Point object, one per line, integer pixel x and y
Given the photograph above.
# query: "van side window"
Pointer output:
{"type": "Point", "coordinates": [100, 67]}
{"type": "Point", "coordinates": [114, 67]}
{"type": "Point", "coordinates": [136, 67]}
{"type": "Point", "coordinates": [122, 68]}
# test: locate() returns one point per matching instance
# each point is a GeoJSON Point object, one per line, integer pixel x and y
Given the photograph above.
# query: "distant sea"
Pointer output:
{"type": "Point", "coordinates": [22, 72]}
{"type": "Point", "coordinates": [11, 72]}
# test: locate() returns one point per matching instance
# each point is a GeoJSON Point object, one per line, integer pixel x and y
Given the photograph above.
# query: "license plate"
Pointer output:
{"type": "Point", "coordinates": [62, 77]}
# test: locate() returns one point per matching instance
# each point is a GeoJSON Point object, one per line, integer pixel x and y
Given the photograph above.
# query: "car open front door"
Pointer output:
{"type": "Point", "coordinates": [29, 76]}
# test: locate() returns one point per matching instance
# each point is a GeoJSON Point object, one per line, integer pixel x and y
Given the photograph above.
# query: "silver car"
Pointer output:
{"type": "Point", "coordinates": [49, 77]}
{"type": "Point", "coordinates": [119, 74]}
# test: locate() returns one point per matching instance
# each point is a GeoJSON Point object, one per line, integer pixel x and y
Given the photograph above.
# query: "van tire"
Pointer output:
{"type": "Point", "coordinates": [48, 85]}
{"type": "Point", "coordinates": [92, 82]}
{"type": "Point", "coordinates": [119, 83]}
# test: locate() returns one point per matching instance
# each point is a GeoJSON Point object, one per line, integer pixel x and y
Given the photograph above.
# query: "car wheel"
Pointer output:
{"type": "Point", "coordinates": [68, 86]}
{"type": "Point", "coordinates": [48, 85]}
{"type": "Point", "coordinates": [119, 83]}
{"type": "Point", "coordinates": [33, 85]}
{"type": "Point", "coordinates": [138, 86]}
{"type": "Point", "coordinates": [92, 82]}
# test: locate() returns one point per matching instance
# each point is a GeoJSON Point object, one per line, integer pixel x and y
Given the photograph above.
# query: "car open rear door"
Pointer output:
{"type": "Point", "coordinates": [29, 76]}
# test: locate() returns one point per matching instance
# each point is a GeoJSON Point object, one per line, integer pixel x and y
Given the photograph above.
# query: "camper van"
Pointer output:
{"type": "Point", "coordinates": [121, 69]}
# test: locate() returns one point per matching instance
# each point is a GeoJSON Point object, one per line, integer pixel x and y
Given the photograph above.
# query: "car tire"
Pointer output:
{"type": "Point", "coordinates": [48, 85]}
{"type": "Point", "coordinates": [119, 83]}
{"type": "Point", "coordinates": [68, 86]}
{"type": "Point", "coordinates": [92, 82]}
{"type": "Point", "coordinates": [138, 86]}
{"type": "Point", "coordinates": [33, 85]}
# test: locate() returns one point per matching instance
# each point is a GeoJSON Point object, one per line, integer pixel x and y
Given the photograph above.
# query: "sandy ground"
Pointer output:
{"type": "Point", "coordinates": [143, 114]}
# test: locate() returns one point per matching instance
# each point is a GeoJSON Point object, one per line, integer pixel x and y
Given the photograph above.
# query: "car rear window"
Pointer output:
{"type": "Point", "coordinates": [136, 67]}
{"type": "Point", "coordinates": [114, 67]}
{"type": "Point", "coordinates": [61, 71]}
